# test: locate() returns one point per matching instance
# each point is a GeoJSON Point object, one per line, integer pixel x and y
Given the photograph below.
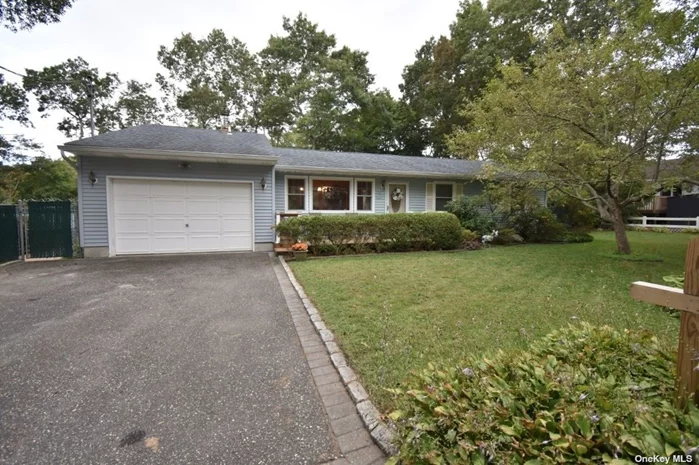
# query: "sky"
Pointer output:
{"type": "Point", "coordinates": [123, 36]}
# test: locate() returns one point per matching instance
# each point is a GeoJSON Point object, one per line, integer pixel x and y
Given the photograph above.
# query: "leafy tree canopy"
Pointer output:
{"type": "Point", "coordinates": [590, 118]}
{"type": "Point", "coordinates": [41, 179]}
{"type": "Point", "coordinates": [25, 14]}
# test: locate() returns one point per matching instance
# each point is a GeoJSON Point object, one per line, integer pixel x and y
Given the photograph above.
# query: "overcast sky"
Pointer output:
{"type": "Point", "coordinates": [123, 36]}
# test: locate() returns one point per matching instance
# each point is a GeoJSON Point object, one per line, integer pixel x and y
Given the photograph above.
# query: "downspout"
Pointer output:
{"type": "Point", "coordinates": [274, 206]}
{"type": "Point", "coordinates": [80, 196]}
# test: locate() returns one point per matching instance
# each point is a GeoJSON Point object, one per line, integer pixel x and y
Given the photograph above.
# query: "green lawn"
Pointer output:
{"type": "Point", "coordinates": [396, 313]}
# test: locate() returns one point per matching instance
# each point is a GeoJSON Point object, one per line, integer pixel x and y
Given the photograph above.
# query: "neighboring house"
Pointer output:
{"type": "Point", "coordinates": [162, 189]}
{"type": "Point", "coordinates": [679, 201]}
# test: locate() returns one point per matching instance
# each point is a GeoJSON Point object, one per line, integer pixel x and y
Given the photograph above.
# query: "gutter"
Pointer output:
{"type": "Point", "coordinates": [170, 155]}
{"type": "Point", "coordinates": [387, 173]}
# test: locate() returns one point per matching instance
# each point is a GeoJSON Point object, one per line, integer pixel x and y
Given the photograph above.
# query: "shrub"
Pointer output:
{"type": "Point", "coordinates": [472, 245]}
{"type": "Point", "coordinates": [507, 236]}
{"type": "Point", "coordinates": [467, 211]}
{"type": "Point", "coordinates": [467, 236]}
{"type": "Point", "coordinates": [574, 214]}
{"type": "Point", "coordinates": [573, 237]}
{"type": "Point", "coordinates": [339, 234]}
{"type": "Point", "coordinates": [579, 395]}
{"type": "Point", "coordinates": [537, 225]}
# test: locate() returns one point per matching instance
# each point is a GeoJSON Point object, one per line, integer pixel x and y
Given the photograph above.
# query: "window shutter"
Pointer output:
{"type": "Point", "coordinates": [429, 197]}
{"type": "Point", "coordinates": [459, 190]}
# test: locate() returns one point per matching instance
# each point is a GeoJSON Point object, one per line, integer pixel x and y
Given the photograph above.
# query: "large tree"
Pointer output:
{"type": "Point", "coordinates": [41, 179]}
{"type": "Point", "coordinates": [65, 88]}
{"type": "Point", "coordinates": [210, 77]}
{"type": "Point", "coordinates": [14, 106]}
{"type": "Point", "coordinates": [449, 72]}
{"type": "Point", "coordinates": [318, 95]}
{"type": "Point", "coordinates": [136, 106]}
{"type": "Point", "coordinates": [593, 117]}
{"type": "Point", "coordinates": [25, 14]}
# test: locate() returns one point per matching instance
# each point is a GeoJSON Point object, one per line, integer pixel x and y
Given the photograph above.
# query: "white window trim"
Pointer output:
{"type": "Point", "coordinates": [453, 192]}
{"type": "Point", "coordinates": [373, 194]}
{"type": "Point", "coordinates": [331, 178]}
{"type": "Point", "coordinates": [286, 193]}
{"type": "Point", "coordinates": [387, 194]}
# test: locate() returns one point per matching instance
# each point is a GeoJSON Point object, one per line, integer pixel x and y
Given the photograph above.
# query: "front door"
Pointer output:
{"type": "Point", "coordinates": [396, 198]}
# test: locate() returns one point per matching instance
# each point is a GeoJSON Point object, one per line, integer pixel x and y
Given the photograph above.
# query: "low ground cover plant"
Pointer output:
{"type": "Point", "coordinates": [579, 395]}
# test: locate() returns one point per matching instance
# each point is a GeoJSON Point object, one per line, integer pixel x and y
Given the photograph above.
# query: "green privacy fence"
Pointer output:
{"type": "Point", "coordinates": [39, 229]}
{"type": "Point", "coordinates": [9, 233]}
{"type": "Point", "coordinates": [49, 231]}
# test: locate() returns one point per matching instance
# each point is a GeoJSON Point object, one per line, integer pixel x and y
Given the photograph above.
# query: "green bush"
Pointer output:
{"type": "Point", "coordinates": [467, 236]}
{"type": "Point", "coordinates": [574, 214]}
{"type": "Point", "coordinates": [341, 234]}
{"type": "Point", "coordinates": [579, 395]}
{"type": "Point", "coordinates": [537, 225]}
{"type": "Point", "coordinates": [507, 236]}
{"type": "Point", "coordinates": [467, 211]}
{"type": "Point", "coordinates": [573, 237]}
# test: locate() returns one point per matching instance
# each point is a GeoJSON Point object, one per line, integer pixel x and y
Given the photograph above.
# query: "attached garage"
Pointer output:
{"type": "Point", "coordinates": [151, 216]}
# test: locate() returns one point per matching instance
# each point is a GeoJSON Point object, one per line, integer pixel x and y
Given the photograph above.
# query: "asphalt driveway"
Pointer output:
{"type": "Point", "coordinates": [181, 359]}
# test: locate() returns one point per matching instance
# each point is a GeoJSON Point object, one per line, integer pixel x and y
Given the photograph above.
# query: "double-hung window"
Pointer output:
{"type": "Point", "coordinates": [296, 194]}
{"type": "Point", "coordinates": [443, 193]}
{"type": "Point", "coordinates": [365, 195]}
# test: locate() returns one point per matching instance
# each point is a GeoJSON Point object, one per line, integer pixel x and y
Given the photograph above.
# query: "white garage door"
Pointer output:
{"type": "Point", "coordinates": [151, 216]}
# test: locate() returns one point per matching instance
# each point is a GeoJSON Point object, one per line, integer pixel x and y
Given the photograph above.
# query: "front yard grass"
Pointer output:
{"type": "Point", "coordinates": [395, 313]}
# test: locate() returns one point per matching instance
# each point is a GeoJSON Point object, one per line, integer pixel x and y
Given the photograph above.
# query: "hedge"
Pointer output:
{"type": "Point", "coordinates": [341, 234]}
{"type": "Point", "coordinates": [580, 395]}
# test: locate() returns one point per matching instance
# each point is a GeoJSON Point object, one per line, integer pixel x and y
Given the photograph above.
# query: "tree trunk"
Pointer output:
{"type": "Point", "coordinates": [622, 241]}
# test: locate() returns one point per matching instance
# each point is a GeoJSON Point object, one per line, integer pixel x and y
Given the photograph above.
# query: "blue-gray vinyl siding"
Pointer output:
{"type": "Point", "coordinates": [94, 197]}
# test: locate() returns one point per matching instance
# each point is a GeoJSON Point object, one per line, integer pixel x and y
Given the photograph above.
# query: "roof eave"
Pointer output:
{"type": "Point", "coordinates": [351, 171]}
{"type": "Point", "coordinates": [149, 154]}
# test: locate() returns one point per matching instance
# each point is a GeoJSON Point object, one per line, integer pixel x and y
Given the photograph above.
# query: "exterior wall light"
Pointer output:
{"type": "Point", "coordinates": [263, 183]}
{"type": "Point", "coordinates": [92, 178]}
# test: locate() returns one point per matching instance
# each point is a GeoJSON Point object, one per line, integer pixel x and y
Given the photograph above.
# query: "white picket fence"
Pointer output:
{"type": "Point", "coordinates": [671, 223]}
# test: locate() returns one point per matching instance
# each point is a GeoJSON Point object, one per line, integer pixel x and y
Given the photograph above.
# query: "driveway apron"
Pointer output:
{"type": "Point", "coordinates": [178, 359]}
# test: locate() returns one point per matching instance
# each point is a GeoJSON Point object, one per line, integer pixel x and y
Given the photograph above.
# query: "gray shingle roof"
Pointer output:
{"type": "Point", "coordinates": [294, 159]}
{"type": "Point", "coordinates": [160, 137]}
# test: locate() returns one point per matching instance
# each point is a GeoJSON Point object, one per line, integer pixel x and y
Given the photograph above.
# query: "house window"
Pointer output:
{"type": "Point", "coordinates": [296, 194]}
{"type": "Point", "coordinates": [365, 196]}
{"type": "Point", "coordinates": [331, 195]}
{"type": "Point", "coordinates": [443, 193]}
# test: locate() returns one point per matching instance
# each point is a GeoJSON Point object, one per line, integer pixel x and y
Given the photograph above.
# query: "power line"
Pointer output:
{"type": "Point", "coordinates": [13, 72]}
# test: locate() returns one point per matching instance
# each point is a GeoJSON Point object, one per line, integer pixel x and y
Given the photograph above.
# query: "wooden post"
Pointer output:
{"type": "Point", "coordinates": [687, 301]}
{"type": "Point", "coordinates": [688, 351]}
{"type": "Point", "coordinates": [645, 220]}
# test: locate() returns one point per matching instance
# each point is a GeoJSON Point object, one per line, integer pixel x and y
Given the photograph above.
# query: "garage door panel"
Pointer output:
{"type": "Point", "coordinates": [200, 206]}
{"type": "Point", "coordinates": [127, 187]}
{"type": "Point", "coordinates": [152, 216]}
{"type": "Point", "coordinates": [131, 206]}
{"type": "Point", "coordinates": [204, 242]}
{"type": "Point", "coordinates": [169, 243]}
{"type": "Point", "coordinates": [204, 225]}
{"type": "Point", "coordinates": [136, 244]}
{"type": "Point", "coordinates": [241, 224]}
{"type": "Point", "coordinates": [169, 225]}
{"type": "Point", "coordinates": [138, 225]}
{"type": "Point", "coordinates": [236, 206]}
{"type": "Point", "coordinates": [169, 207]}
{"type": "Point", "coordinates": [168, 189]}
{"type": "Point", "coordinates": [233, 242]}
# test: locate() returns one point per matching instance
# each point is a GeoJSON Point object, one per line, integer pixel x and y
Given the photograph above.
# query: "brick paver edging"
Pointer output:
{"type": "Point", "coordinates": [380, 432]}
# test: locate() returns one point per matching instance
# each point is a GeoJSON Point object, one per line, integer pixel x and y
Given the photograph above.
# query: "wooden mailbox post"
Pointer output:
{"type": "Point", "coordinates": [687, 301]}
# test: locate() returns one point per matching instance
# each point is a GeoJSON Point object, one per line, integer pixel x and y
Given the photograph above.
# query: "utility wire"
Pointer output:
{"type": "Point", "coordinates": [13, 72]}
